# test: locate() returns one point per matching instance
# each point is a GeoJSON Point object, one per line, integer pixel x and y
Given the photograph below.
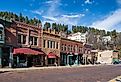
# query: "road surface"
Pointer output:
{"type": "Point", "coordinates": [101, 73]}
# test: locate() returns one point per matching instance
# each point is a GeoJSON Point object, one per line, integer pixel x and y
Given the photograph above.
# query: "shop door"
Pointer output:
{"type": "Point", "coordinates": [30, 61]}
{"type": "Point", "coordinates": [5, 57]}
{"type": "Point", "coordinates": [70, 60]}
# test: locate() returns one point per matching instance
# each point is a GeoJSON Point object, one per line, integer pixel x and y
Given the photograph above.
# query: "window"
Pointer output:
{"type": "Point", "coordinates": [19, 38]}
{"type": "Point", "coordinates": [44, 43]}
{"type": "Point", "coordinates": [31, 40]}
{"type": "Point", "coordinates": [1, 35]}
{"type": "Point", "coordinates": [71, 47]}
{"type": "Point", "coordinates": [35, 40]}
{"type": "Point", "coordinates": [24, 39]}
{"type": "Point", "coordinates": [65, 47]}
{"type": "Point", "coordinates": [57, 46]}
{"type": "Point", "coordinates": [62, 47]}
{"type": "Point", "coordinates": [74, 48]}
{"type": "Point", "coordinates": [68, 47]}
{"type": "Point", "coordinates": [51, 44]}
{"type": "Point", "coordinates": [48, 44]}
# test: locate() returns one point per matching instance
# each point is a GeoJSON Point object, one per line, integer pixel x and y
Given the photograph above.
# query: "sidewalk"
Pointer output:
{"type": "Point", "coordinates": [40, 68]}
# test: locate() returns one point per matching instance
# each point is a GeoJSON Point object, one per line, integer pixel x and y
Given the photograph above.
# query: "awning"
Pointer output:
{"type": "Point", "coordinates": [52, 55]}
{"type": "Point", "coordinates": [26, 51]}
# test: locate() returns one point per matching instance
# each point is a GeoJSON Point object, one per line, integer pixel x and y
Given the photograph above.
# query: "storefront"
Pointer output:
{"type": "Point", "coordinates": [52, 59]}
{"type": "Point", "coordinates": [26, 57]}
{"type": "Point", "coordinates": [71, 59]}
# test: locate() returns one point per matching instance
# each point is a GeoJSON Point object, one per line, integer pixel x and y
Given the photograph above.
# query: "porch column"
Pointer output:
{"type": "Point", "coordinates": [42, 61]}
{"type": "Point", "coordinates": [11, 58]}
{"type": "Point", "coordinates": [67, 59]}
{"type": "Point", "coordinates": [27, 37]}
{"type": "Point", "coordinates": [46, 61]}
{"type": "Point", "coordinates": [0, 57]}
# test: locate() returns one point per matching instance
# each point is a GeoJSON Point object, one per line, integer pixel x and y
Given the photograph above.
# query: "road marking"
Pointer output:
{"type": "Point", "coordinates": [117, 79]}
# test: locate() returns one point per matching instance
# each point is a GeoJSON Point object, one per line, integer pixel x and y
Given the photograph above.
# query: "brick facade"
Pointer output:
{"type": "Point", "coordinates": [19, 28]}
{"type": "Point", "coordinates": [51, 43]}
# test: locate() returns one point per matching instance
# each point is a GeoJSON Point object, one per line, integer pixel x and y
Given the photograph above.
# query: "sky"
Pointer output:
{"type": "Point", "coordinates": [101, 14]}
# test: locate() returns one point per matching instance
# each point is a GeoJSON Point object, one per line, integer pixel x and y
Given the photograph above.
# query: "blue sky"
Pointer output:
{"type": "Point", "coordinates": [101, 14]}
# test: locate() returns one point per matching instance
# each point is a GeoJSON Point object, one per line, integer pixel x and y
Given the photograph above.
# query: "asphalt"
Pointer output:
{"type": "Point", "coordinates": [85, 73]}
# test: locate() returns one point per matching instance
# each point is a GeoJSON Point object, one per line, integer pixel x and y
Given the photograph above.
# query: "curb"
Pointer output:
{"type": "Point", "coordinates": [42, 68]}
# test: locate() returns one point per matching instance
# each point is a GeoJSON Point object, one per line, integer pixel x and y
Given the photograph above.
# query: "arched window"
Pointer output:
{"type": "Point", "coordinates": [1, 35]}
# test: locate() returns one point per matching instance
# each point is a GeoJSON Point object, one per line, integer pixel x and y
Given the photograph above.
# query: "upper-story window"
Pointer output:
{"type": "Point", "coordinates": [1, 35]}
{"type": "Point", "coordinates": [21, 39]}
{"type": "Point", "coordinates": [24, 39]}
{"type": "Point", "coordinates": [65, 47]}
{"type": "Point", "coordinates": [71, 47]}
{"type": "Point", "coordinates": [31, 40]}
{"type": "Point", "coordinates": [44, 43]}
{"type": "Point", "coordinates": [53, 44]}
{"type": "Point", "coordinates": [68, 47]}
{"type": "Point", "coordinates": [1, 32]}
{"type": "Point", "coordinates": [57, 45]}
{"type": "Point", "coordinates": [35, 40]}
{"type": "Point", "coordinates": [74, 48]}
{"type": "Point", "coordinates": [62, 47]}
{"type": "Point", "coordinates": [48, 44]}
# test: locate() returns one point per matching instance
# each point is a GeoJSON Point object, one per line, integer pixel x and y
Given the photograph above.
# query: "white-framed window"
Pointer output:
{"type": "Point", "coordinates": [21, 39]}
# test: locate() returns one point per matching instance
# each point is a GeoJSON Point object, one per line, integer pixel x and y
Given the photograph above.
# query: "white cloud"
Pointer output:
{"type": "Point", "coordinates": [65, 19]}
{"type": "Point", "coordinates": [53, 9]}
{"type": "Point", "coordinates": [87, 10]}
{"type": "Point", "coordinates": [48, 2]}
{"type": "Point", "coordinates": [53, 14]}
{"type": "Point", "coordinates": [38, 12]}
{"type": "Point", "coordinates": [88, 2]}
{"type": "Point", "coordinates": [109, 22]}
{"type": "Point", "coordinates": [119, 2]}
{"type": "Point", "coordinates": [73, 16]}
{"type": "Point", "coordinates": [50, 18]}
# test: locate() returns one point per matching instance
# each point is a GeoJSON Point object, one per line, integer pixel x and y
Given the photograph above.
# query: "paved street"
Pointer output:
{"type": "Point", "coordinates": [79, 74]}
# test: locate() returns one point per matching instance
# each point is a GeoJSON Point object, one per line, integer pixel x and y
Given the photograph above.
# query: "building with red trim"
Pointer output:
{"type": "Point", "coordinates": [71, 52]}
{"type": "Point", "coordinates": [51, 46]}
{"type": "Point", "coordinates": [22, 45]}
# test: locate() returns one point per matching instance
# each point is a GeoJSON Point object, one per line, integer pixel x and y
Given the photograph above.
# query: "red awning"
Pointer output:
{"type": "Point", "coordinates": [52, 55]}
{"type": "Point", "coordinates": [27, 51]}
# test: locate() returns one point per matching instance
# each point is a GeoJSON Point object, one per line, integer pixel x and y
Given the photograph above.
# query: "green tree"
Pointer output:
{"type": "Point", "coordinates": [20, 17]}
{"type": "Point", "coordinates": [47, 25]}
{"type": "Point", "coordinates": [54, 26]}
{"type": "Point", "coordinates": [26, 20]}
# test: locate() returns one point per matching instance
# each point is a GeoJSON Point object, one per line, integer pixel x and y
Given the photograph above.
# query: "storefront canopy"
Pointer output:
{"type": "Point", "coordinates": [27, 51]}
{"type": "Point", "coordinates": [52, 55]}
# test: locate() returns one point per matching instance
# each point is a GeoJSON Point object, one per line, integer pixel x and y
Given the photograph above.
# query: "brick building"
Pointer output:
{"type": "Point", "coordinates": [71, 52]}
{"type": "Point", "coordinates": [22, 45]}
{"type": "Point", "coordinates": [51, 46]}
